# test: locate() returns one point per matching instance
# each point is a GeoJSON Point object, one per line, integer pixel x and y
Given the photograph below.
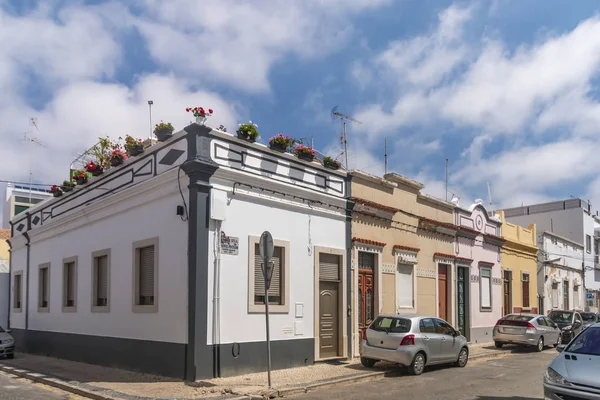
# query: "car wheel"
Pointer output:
{"type": "Point", "coordinates": [540, 344]}
{"type": "Point", "coordinates": [499, 345]}
{"type": "Point", "coordinates": [418, 364]}
{"type": "Point", "coordinates": [559, 341]}
{"type": "Point", "coordinates": [367, 362]}
{"type": "Point", "coordinates": [463, 358]}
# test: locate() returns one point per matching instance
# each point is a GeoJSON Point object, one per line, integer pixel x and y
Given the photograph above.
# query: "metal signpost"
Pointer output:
{"type": "Point", "coordinates": [266, 249]}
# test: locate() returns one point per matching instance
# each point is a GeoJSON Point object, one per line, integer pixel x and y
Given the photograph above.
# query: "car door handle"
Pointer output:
{"type": "Point", "coordinates": [443, 338]}
{"type": "Point", "coordinates": [425, 337]}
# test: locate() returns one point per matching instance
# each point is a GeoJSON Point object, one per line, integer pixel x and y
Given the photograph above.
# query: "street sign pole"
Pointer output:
{"type": "Point", "coordinates": [266, 249]}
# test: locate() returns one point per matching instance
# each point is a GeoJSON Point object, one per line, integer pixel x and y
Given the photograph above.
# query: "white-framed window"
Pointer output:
{"type": "Point", "coordinates": [525, 289]}
{"type": "Point", "coordinates": [101, 281]}
{"type": "Point", "coordinates": [555, 298]}
{"type": "Point", "coordinates": [485, 288]}
{"type": "Point", "coordinates": [405, 281]}
{"type": "Point", "coordinates": [18, 291]}
{"type": "Point", "coordinates": [576, 302]}
{"type": "Point", "coordinates": [588, 243]}
{"type": "Point", "coordinates": [279, 290]}
{"type": "Point", "coordinates": [44, 287]}
{"type": "Point", "coordinates": [145, 275]}
{"type": "Point", "coordinates": [69, 297]}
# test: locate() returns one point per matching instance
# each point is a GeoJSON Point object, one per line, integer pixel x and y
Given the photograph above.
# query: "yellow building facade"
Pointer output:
{"type": "Point", "coordinates": [401, 242]}
{"type": "Point", "coordinates": [519, 268]}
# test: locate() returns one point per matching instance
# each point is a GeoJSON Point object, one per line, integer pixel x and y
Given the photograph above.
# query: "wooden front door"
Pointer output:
{"type": "Point", "coordinates": [366, 291]}
{"type": "Point", "coordinates": [507, 292]}
{"type": "Point", "coordinates": [443, 291]}
{"type": "Point", "coordinates": [329, 319]}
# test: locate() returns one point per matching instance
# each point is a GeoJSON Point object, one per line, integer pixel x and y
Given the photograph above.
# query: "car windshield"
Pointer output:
{"type": "Point", "coordinates": [392, 325]}
{"type": "Point", "coordinates": [561, 316]}
{"type": "Point", "coordinates": [588, 317]}
{"type": "Point", "coordinates": [519, 317]}
{"type": "Point", "coordinates": [588, 342]}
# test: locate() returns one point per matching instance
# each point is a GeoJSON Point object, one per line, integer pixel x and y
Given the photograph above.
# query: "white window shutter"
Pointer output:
{"type": "Point", "coordinates": [404, 285]}
{"type": "Point", "coordinates": [329, 267]}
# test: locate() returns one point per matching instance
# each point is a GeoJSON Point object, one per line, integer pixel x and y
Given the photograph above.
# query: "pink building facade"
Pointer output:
{"type": "Point", "coordinates": [478, 272]}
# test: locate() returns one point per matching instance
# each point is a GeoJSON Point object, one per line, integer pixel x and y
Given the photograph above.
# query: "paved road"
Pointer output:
{"type": "Point", "coordinates": [20, 389]}
{"type": "Point", "coordinates": [512, 377]}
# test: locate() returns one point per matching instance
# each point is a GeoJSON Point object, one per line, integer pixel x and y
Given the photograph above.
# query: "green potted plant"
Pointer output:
{"type": "Point", "coordinates": [117, 157]}
{"type": "Point", "coordinates": [133, 147]}
{"type": "Point", "coordinates": [56, 191]}
{"type": "Point", "coordinates": [304, 152]}
{"type": "Point", "coordinates": [102, 151]}
{"type": "Point", "coordinates": [280, 143]}
{"type": "Point", "coordinates": [331, 163]}
{"type": "Point", "coordinates": [163, 131]}
{"type": "Point", "coordinates": [94, 168]}
{"type": "Point", "coordinates": [81, 176]}
{"type": "Point", "coordinates": [248, 132]}
{"type": "Point", "coordinates": [67, 186]}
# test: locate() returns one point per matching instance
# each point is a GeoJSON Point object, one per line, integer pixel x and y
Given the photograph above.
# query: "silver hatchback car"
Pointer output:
{"type": "Point", "coordinates": [527, 329]}
{"type": "Point", "coordinates": [413, 341]}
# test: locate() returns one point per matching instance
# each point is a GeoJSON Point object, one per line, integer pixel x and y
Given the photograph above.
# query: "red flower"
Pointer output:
{"type": "Point", "coordinates": [187, 109]}
{"type": "Point", "coordinates": [210, 111]}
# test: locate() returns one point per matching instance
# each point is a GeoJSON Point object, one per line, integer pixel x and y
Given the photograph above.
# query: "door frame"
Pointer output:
{"type": "Point", "coordinates": [342, 303]}
{"type": "Point", "coordinates": [510, 292]}
{"type": "Point", "coordinates": [450, 288]}
{"type": "Point", "coordinates": [467, 283]}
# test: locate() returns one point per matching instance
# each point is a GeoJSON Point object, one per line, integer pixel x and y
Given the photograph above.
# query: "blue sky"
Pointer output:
{"type": "Point", "coordinates": [506, 90]}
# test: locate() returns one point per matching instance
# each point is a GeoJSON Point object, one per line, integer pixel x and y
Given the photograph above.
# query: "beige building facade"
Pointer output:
{"type": "Point", "coordinates": [402, 257]}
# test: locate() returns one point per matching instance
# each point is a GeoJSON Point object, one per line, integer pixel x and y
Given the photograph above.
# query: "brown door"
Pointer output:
{"type": "Point", "coordinates": [443, 291]}
{"type": "Point", "coordinates": [507, 292]}
{"type": "Point", "coordinates": [366, 297]}
{"type": "Point", "coordinates": [328, 319]}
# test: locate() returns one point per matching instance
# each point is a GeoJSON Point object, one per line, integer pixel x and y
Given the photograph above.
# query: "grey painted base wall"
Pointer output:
{"type": "Point", "coordinates": [161, 358]}
{"type": "Point", "coordinates": [244, 358]}
{"type": "Point", "coordinates": [482, 334]}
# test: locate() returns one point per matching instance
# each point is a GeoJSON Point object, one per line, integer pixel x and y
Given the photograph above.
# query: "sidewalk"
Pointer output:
{"type": "Point", "coordinates": [103, 383]}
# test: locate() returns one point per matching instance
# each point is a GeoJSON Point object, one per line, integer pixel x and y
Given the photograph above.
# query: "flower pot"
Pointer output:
{"type": "Point", "coordinates": [163, 134]}
{"type": "Point", "coordinates": [135, 150]}
{"type": "Point", "coordinates": [201, 120]}
{"type": "Point", "coordinates": [306, 157]}
{"type": "Point", "coordinates": [282, 148]}
{"type": "Point", "coordinates": [331, 165]}
{"type": "Point", "coordinates": [66, 188]}
{"type": "Point", "coordinates": [82, 181]}
{"type": "Point", "coordinates": [57, 193]}
{"type": "Point", "coordinates": [116, 161]}
{"type": "Point", "coordinates": [97, 172]}
{"type": "Point", "coordinates": [245, 137]}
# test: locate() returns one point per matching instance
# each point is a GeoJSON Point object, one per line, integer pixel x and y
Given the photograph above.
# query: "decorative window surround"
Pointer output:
{"type": "Point", "coordinates": [66, 262]}
{"type": "Point", "coordinates": [426, 273]}
{"type": "Point", "coordinates": [274, 308]}
{"type": "Point", "coordinates": [405, 255]}
{"type": "Point", "coordinates": [17, 295]}
{"type": "Point", "coordinates": [372, 208]}
{"type": "Point", "coordinates": [444, 258]}
{"type": "Point", "coordinates": [388, 269]}
{"type": "Point", "coordinates": [359, 242]}
{"type": "Point", "coordinates": [145, 308]}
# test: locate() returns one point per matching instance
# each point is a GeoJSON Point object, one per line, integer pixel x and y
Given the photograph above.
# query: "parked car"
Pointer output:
{"type": "Point", "coordinates": [413, 341]}
{"type": "Point", "coordinates": [574, 373]}
{"type": "Point", "coordinates": [7, 344]}
{"type": "Point", "coordinates": [589, 319]}
{"type": "Point", "coordinates": [526, 329]}
{"type": "Point", "coordinates": [570, 322]}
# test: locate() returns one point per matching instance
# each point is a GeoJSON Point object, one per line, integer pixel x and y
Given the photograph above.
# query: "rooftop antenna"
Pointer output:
{"type": "Point", "coordinates": [343, 118]}
{"type": "Point", "coordinates": [446, 179]}
{"type": "Point", "coordinates": [31, 141]}
{"type": "Point", "coordinates": [385, 154]}
{"type": "Point", "coordinates": [150, 102]}
{"type": "Point", "coordinates": [490, 198]}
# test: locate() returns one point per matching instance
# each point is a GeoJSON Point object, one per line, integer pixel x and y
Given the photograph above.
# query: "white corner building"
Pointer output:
{"type": "Point", "coordinates": [153, 265]}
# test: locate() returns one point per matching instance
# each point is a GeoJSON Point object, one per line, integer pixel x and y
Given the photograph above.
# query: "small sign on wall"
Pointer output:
{"type": "Point", "coordinates": [229, 244]}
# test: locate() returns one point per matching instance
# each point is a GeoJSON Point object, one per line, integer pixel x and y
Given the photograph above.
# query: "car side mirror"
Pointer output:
{"type": "Point", "coordinates": [8, 331]}
{"type": "Point", "coordinates": [456, 333]}
{"type": "Point", "coordinates": [560, 348]}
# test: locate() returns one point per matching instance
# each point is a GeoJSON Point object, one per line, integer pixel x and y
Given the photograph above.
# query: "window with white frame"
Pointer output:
{"type": "Point", "coordinates": [146, 276]}
{"type": "Point", "coordinates": [44, 287]}
{"type": "Point", "coordinates": [576, 302]}
{"type": "Point", "coordinates": [100, 280]}
{"type": "Point", "coordinates": [405, 286]}
{"type": "Point", "coordinates": [17, 291]}
{"type": "Point", "coordinates": [555, 295]}
{"type": "Point", "coordinates": [588, 243]}
{"type": "Point", "coordinates": [278, 291]}
{"type": "Point", "coordinates": [525, 289]}
{"type": "Point", "coordinates": [69, 284]}
{"type": "Point", "coordinates": [485, 288]}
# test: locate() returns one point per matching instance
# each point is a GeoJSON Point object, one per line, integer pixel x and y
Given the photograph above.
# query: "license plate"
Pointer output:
{"type": "Point", "coordinates": [511, 330]}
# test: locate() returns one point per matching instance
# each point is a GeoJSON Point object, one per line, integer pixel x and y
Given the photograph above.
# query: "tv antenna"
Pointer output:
{"type": "Point", "coordinates": [32, 141]}
{"type": "Point", "coordinates": [343, 140]}
{"type": "Point", "coordinates": [490, 198]}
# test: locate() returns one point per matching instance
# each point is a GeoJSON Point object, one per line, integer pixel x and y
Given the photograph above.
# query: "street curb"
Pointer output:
{"type": "Point", "coordinates": [68, 387]}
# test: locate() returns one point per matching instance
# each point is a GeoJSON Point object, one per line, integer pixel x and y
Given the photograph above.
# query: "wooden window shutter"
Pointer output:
{"type": "Point", "coordinates": [18, 291]}
{"type": "Point", "coordinates": [146, 275]}
{"type": "Point", "coordinates": [525, 290]}
{"type": "Point", "coordinates": [275, 290]}
{"type": "Point", "coordinates": [102, 281]}
{"type": "Point", "coordinates": [70, 284]}
{"type": "Point", "coordinates": [329, 267]}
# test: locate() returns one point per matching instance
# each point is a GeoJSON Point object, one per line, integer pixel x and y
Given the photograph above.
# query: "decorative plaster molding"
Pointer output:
{"type": "Point", "coordinates": [496, 281]}
{"type": "Point", "coordinates": [368, 243]}
{"type": "Point", "coordinates": [388, 269]}
{"type": "Point", "coordinates": [426, 273]}
{"type": "Point", "coordinates": [373, 179]}
{"type": "Point", "coordinates": [446, 258]}
{"type": "Point", "coordinates": [474, 278]}
{"type": "Point", "coordinates": [397, 178]}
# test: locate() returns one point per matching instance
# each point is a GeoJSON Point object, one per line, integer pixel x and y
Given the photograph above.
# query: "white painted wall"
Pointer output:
{"type": "Point", "coordinates": [304, 230]}
{"type": "Point", "coordinates": [592, 276]}
{"type": "Point", "coordinates": [4, 292]}
{"type": "Point", "coordinates": [147, 215]}
{"type": "Point", "coordinates": [19, 258]}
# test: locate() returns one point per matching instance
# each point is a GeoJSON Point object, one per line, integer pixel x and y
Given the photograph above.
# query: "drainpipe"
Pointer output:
{"type": "Point", "coordinates": [216, 328]}
{"type": "Point", "coordinates": [28, 269]}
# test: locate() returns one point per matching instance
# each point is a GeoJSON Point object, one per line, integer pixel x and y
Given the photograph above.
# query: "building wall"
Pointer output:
{"type": "Point", "coordinates": [567, 268]}
{"type": "Point", "coordinates": [519, 255]}
{"type": "Point", "coordinates": [480, 250]}
{"type": "Point", "coordinates": [18, 196]}
{"type": "Point", "coordinates": [592, 275]}
{"type": "Point", "coordinates": [4, 277]}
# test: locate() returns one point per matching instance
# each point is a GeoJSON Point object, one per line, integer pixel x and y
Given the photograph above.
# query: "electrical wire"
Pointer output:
{"type": "Point", "coordinates": [186, 216]}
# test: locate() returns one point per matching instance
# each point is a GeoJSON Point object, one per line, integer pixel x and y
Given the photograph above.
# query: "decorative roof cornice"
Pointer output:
{"type": "Point", "coordinates": [368, 242]}
{"type": "Point", "coordinates": [372, 204]}
{"type": "Point", "coordinates": [398, 247]}
{"type": "Point", "coordinates": [397, 178]}
{"type": "Point", "coordinates": [372, 178]}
